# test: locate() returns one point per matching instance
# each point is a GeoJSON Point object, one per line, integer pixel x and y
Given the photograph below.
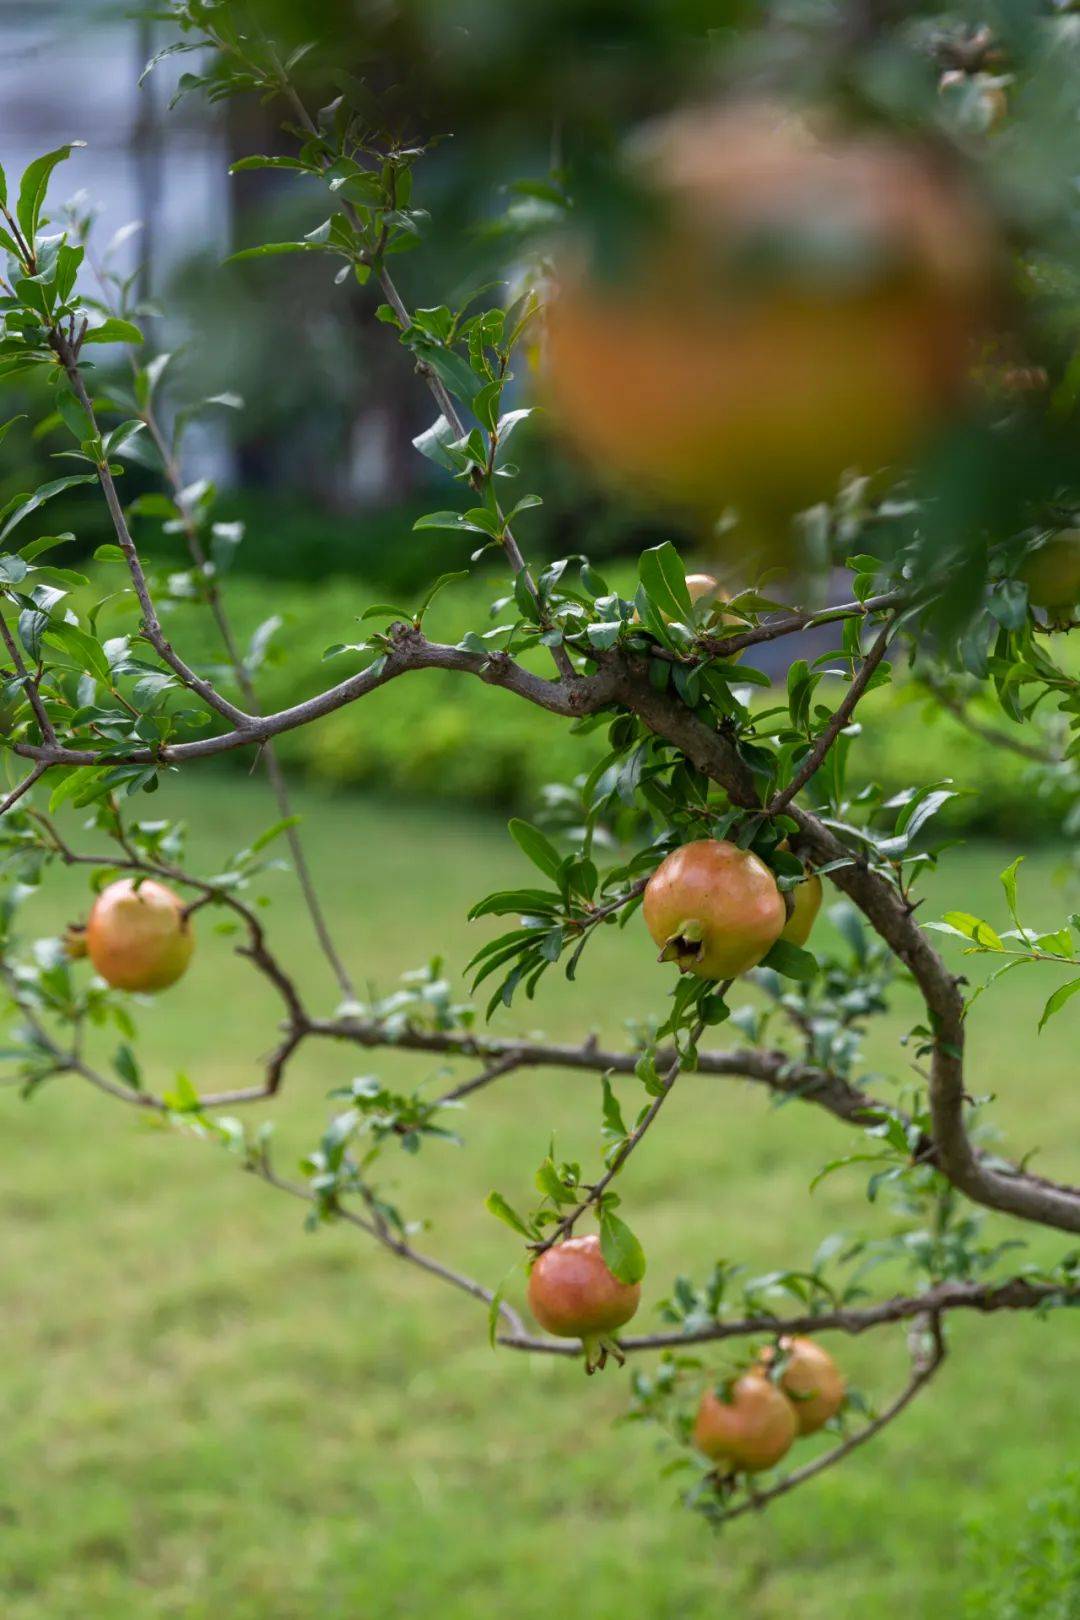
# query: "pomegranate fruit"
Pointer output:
{"type": "Point", "coordinates": [714, 909]}
{"type": "Point", "coordinates": [1052, 574]}
{"type": "Point", "coordinates": [139, 936]}
{"type": "Point", "coordinates": [809, 1376]}
{"type": "Point", "coordinates": [806, 900]}
{"type": "Point", "coordinates": [746, 1428]}
{"type": "Point", "coordinates": [574, 1294]}
{"type": "Point", "coordinates": [808, 303]}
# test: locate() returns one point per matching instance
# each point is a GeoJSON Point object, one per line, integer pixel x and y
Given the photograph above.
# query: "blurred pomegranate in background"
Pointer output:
{"type": "Point", "coordinates": [798, 303]}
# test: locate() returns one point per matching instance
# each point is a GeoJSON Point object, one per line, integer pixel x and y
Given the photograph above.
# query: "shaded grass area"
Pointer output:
{"type": "Point", "coordinates": [209, 1411]}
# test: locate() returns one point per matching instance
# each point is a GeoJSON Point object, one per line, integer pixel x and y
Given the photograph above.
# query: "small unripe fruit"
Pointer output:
{"type": "Point", "coordinates": [139, 937]}
{"type": "Point", "coordinates": [75, 941]}
{"type": "Point", "coordinates": [750, 1430]}
{"type": "Point", "coordinates": [574, 1294]}
{"type": "Point", "coordinates": [812, 1380]}
{"type": "Point", "coordinates": [1052, 574]}
{"type": "Point", "coordinates": [714, 909]}
{"type": "Point", "coordinates": [805, 904]}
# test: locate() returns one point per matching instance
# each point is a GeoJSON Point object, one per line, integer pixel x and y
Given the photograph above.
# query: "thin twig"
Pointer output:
{"type": "Point", "coordinates": [274, 770]}
{"type": "Point", "coordinates": [151, 623]}
{"type": "Point", "coordinates": [829, 733]}
{"type": "Point", "coordinates": [399, 1247]}
{"type": "Point", "coordinates": [978, 728]}
{"type": "Point", "coordinates": [23, 787]}
{"type": "Point", "coordinates": [29, 684]}
{"type": "Point", "coordinates": [597, 1190]}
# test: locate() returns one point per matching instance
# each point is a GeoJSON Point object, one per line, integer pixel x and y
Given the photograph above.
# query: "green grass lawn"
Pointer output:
{"type": "Point", "coordinates": [210, 1413]}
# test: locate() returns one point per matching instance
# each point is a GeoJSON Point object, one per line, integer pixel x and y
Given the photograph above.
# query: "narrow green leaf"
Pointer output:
{"type": "Point", "coordinates": [34, 185]}
{"type": "Point", "coordinates": [1060, 996]}
{"type": "Point", "coordinates": [496, 1205]}
{"type": "Point", "coordinates": [1008, 883]}
{"type": "Point", "coordinates": [539, 849]}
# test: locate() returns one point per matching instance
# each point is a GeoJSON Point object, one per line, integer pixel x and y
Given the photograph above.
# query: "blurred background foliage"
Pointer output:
{"type": "Point", "coordinates": [319, 466]}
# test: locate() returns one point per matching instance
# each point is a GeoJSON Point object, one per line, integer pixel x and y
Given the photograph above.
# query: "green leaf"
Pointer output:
{"type": "Point", "coordinates": [23, 505]}
{"type": "Point", "coordinates": [114, 330]}
{"type": "Point", "coordinates": [1008, 883]}
{"type": "Point", "coordinates": [87, 652]}
{"type": "Point", "coordinates": [661, 572]}
{"type": "Point", "coordinates": [1060, 996]}
{"type": "Point", "coordinates": [496, 1205]}
{"type": "Point", "coordinates": [266, 249]}
{"type": "Point", "coordinates": [790, 961]}
{"type": "Point", "coordinates": [974, 928]}
{"type": "Point", "coordinates": [35, 184]}
{"type": "Point", "coordinates": [6, 428]}
{"type": "Point", "coordinates": [257, 162]}
{"type": "Point", "coordinates": [550, 1184]}
{"type": "Point", "coordinates": [539, 849]}
{"type": "Point", "coordinates": [439, 585]}
{"type": "Point", "coordinates": [273, 832]}
{"type": "Point", "coordinates": [452, 369]}
{"type": "Point", "coordinates": [623, 1254]}
{"type": "Point", "coordinates": [614, 1124]}
{"type": "Point", "coordinates": [120, 435]}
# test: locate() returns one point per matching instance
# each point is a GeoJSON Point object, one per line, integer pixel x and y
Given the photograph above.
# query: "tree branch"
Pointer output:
{"type": "Point", "coordinates": [408, 650]}
{"type": "Point", "coordinates": [1017, 1294]}
{"type": "Point", "coordinates": [399, 1247]}
{"type": "Point", "coordinates": [597, 1190]}
{"type": "Point", "coordinates": [151, 624]}
{"type": "Point", "coordinates": [835, 725]}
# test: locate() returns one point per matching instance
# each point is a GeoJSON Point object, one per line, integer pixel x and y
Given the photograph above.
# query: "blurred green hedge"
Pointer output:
{"type": "Point", "coordinates": [444, 736]}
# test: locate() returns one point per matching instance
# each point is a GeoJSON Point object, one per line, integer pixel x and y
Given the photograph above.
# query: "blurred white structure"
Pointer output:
{"type": "Point", "coordinates": [69, 70]}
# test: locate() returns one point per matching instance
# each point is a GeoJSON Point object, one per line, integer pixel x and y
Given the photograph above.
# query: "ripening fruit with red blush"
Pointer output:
{"type": "Point", "coordinates": [139, 936]}
{"type": "Point", "coordinates": [749, 1425]}
{"type": "Point", "coordinates": [808, 300]}
{"type": "Point", "coordinates": [714, 909]}
{"type": "Point", "coordinates": [811, 1380]}
{"type": "Point", "coordinates": [574, 1294]}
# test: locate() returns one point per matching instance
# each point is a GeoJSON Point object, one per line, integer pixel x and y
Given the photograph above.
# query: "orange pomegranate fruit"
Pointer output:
{"type": "Point", "coordinates": [139, 936]}
{"type": "Point", "coordinates": [574, 1294]}
{"type": "Point", "coordinates": [747, 1426]}
{"type": "Point", "coordinates": [714, 909]}
{"type": "Point", "coordinates": [810, 1378]}
{"type": "Point", "coordinates": [807, 302]}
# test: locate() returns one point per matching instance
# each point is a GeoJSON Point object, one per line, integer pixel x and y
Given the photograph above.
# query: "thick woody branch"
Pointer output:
{"type": "Point", "coordinates": [1014, 1192]}
{"type": "Point", "coordinates": [775, 1070]}
{"type": "Point", "coordinates": [1017, 1294]}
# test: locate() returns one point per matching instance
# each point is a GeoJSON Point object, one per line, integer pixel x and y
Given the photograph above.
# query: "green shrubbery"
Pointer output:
{"type": "Point", "coordinates": [1033, 1574]}
{"type": "Point", "coordinates": [440, 735]}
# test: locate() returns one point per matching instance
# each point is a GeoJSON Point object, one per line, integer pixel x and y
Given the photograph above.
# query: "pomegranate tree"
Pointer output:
{"type": "Point", "coordinates": [786, 332]}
